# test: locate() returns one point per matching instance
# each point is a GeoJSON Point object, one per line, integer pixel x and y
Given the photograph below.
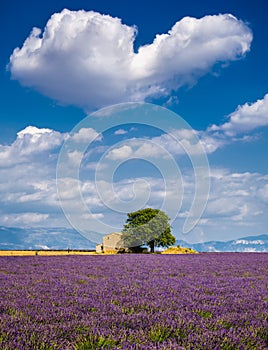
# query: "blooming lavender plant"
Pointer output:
{"type": "Point", "coordinates": [202, 301]}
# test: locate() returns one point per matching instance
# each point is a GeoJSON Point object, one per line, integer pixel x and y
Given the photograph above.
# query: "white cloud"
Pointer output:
{"type": "Point", "coordinates": [179, 142]}
{"type": "Point", "coordinates": [33, 131]}
{"type": "Point", "coordinates": [120, 132]}
{"type": "Point", "coordinates": [234, 196]}
{"type": "Point", "coordinates": [245, 118]}
{"type": "Point", "coordinates": [28, 191]}
{"type": "Point", "coordinates": [27, 177]}
{"type": "Point", "coordinates": [29, 219]}
{"type": "Point", "coordinates": [223, 207]}
{"type": "Point", "coordinates": [86, 135]}
{"type": "Point", "coordinates": [263, 193]}
{"type": "Point", "coordinates": [234, 208]}
{"type": "Point", "coordinates": [149, 150]}
{"type": "Point", "coordinates": [239, 127]}
{"type": "Point", "coordinates": [87, 59]}
{"type": "Point", "coordinates": [94, 216]}
{"type": "Point", "coordinates": [30, 142]}
{"type": "Point", "coordinates": [139, 148]}
{"type": "Point", "coordinates": [120, 153]}
{"type": "Point", "coordinates": [211, 142]}
{"type": "Point", "coordinates": [75, 157]}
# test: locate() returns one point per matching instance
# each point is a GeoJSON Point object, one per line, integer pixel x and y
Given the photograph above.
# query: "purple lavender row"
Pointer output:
{"type": "Point", "coordinates": [202, 301]}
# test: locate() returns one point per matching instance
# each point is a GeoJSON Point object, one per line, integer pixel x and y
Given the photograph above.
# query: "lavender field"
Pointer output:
{"type": "Point", "coordinates": [203, 301]}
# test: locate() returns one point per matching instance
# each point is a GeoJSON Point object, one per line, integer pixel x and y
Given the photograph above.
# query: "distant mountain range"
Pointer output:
{"type": "Point", "coordinates": [12, 238]}
{"type": "Point", "coordinates": [245, 244]}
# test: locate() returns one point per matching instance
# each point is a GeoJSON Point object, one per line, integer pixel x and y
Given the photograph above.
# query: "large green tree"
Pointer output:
{"type": "Point", "coordinates": [147, 226]}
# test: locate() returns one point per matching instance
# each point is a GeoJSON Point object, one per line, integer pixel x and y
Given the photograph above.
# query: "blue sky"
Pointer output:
{"type": "Point", "coordinates": [211, 69]}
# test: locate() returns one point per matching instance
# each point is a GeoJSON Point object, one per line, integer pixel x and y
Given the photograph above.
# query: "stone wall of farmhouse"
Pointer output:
{"type": "Point", "coordinates": [111, 241]}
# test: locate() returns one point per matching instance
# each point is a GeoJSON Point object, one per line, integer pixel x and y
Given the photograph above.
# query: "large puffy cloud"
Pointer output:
{"type": "Point", "coordinates": [87, 59]}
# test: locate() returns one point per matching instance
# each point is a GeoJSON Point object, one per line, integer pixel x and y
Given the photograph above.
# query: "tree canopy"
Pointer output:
{"type": "Point", "coordinates": [147, 226]}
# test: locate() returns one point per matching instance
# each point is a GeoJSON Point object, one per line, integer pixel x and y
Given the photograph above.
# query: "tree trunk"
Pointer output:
{"type": "Point", "coordinates": [151, 245]}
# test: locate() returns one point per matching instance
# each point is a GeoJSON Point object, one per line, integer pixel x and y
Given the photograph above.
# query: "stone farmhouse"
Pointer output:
{"type": "Point", "coordinates": [111, 243]}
